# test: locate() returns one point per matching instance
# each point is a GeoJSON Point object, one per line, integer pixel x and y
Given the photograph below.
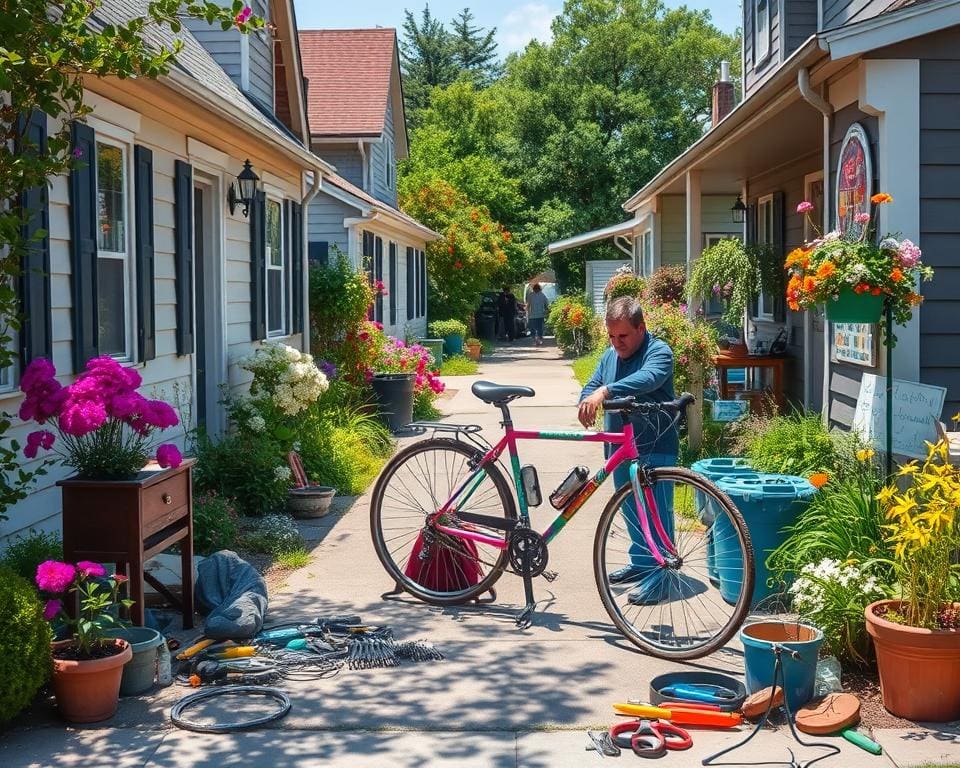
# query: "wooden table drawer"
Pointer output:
{"type": "Point", "coordinates": [164, 497]}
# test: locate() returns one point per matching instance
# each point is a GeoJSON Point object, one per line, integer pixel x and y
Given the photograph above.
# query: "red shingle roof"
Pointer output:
{"type": "Point", "coordinates": [349, 79]}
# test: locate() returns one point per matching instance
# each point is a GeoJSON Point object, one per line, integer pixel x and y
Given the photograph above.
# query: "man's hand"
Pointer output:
{"type": "Point", "coordinates": [589, 407]}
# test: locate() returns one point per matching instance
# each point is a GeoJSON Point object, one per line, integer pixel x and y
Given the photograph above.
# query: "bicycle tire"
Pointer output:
{"type": "Point", "coordinates": [490, 561]}
{"type": "Point", "coordinates": [663, 624]}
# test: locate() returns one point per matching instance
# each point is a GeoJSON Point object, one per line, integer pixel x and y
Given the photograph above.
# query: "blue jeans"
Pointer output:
{"type": "Point", "coordinates": [536, 327]}
{"type": "Point", "coordinates": [640, 554]}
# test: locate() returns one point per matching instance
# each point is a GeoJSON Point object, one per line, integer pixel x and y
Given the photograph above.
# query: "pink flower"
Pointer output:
{"type": "Point", "coordinates": [80, 418]}
{"type": "Point", "coordinates": [862, 217]}
{"type": "Point", "coordinates": [378, 325]}
{"type": "Point", "coordinates": [77, 153]}
{"type": "Point", "coordinates": [51, 608]}
{"type": "Point", "coordinates": [40, 439]}
{"type": "Point", "coordinates": [91, 570]}
{"type": "Point", "coordinates": [168, 455]}
{"type": "Point", "coordinates": [242, 17]}
{"type": "Point", "coordinates": [54, 576]}
{"type": "Point", "coordinates": [120, 578]}
{"type": "Point", "coordinates": [160, 414]}
{"type": "Point", "coordinates": [126, 405]}
{"type": "Point", "coordinates": [805, 207]}
{"type": "Point", "coordinates": [908, 254]}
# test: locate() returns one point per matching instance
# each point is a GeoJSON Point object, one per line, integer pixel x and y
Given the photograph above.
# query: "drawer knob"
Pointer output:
{"type": "Point", "coordinates": [167, 498]}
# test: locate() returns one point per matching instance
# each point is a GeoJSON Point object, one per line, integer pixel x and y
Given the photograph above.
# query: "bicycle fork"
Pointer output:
{"type": "Point", "coordinates": [642, 487]}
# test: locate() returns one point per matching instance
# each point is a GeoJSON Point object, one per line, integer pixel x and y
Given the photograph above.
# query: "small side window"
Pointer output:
{"type": "Point", "coordinates": [761, 31]}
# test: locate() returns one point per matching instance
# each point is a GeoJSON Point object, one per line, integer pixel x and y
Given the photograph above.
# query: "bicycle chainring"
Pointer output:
{"type": "Point", "coordinates": [528, 552]}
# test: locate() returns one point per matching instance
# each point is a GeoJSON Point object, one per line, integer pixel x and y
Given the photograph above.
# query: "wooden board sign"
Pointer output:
{"type": "Point", "coordinates": [729, 410]}
{"type": "Point", "coordinates": [915, 408]}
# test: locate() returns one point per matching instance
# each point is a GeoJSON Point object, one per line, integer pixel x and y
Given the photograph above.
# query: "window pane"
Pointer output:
{"type": "Point", "coordinates": [274, 300]}
{"type": "Point", "coordinates": [112, 308]}
{"type": "Point", "coordinates": [273, 234]}
{"type": "Point", "coordinates": [110, 192]}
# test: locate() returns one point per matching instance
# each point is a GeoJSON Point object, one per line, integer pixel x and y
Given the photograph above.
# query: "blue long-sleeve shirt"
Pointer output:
{"type": "Point", "coordinates": [648, 376]}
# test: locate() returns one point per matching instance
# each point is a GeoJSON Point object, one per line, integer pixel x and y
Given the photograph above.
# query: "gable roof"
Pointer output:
{"type": "Point", "coordinates": [349, 73]}
{"type": "Point", "coordinates": [339, 187]}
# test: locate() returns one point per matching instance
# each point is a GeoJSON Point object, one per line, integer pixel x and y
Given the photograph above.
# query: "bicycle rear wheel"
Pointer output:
{"type": "Point", "coordinates": [432, 565]}
{"type": "Point", "coordinates": [695, 603]}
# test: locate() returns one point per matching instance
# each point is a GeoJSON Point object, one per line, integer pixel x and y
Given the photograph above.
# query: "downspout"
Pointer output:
{"type": "Point", "coordinates": [363, 163]}
{"type": "Point", "coordinates": [305, 263]}
{"type": "Point", "coordinates": [818, 102]}
{"type": "Point", "coordinates": [624, 248]}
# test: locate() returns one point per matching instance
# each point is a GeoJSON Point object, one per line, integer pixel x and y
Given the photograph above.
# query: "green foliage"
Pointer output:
{"type": "Point", "coordinates": [440, 329]}
{"type": "Point", "coordinates": [726, 270]}
{"type": "Point", "coordinates": [424, 408]}
{"type": "Point", "coordinates": [274, 535]}
{"type": "Point", "coordinates": [666, 286]}
{"type": "Point", "coordinates": [214, 523]}
{"type": "Point", "coordinates": [24, 644]}
{"type": "Point", "coordinates": [693, 342]}
{"type": "Point", "coordinates": [458, 365]}
{"type": "Point", "coordinates": [26, 552]}
{"type": "Point", "coordinates": [583, 367]}
{"type": "Point", "coordinates": [624, 283]}
{"type": "Point", "coordinates": [474, 49]}
{"type": "Point", "coordinates": [252, 472]}
{"type": "Point", "coordinates": [14, 479]}
{"type": "Point", "coordinates": [574, 323]}
{"type": "Point", "coordinates": [295, 558]}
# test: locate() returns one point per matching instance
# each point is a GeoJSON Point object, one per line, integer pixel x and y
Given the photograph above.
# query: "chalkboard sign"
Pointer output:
{"type": "Point", "coordinates": [915, 408]}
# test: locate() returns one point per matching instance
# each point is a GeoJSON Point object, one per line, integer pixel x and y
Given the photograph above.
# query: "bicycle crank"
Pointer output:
{"type": "Point", "coordinates": [528, 552]}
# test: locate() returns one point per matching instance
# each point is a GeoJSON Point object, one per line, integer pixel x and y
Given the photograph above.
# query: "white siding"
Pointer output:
{"type": "Point", "coordinates": [715, 218]}
{"type": "Point", "coordinates": [598, 273]}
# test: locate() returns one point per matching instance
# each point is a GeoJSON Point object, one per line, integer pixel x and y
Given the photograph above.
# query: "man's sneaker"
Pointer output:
{"type": "Point", "coordinates": [650, 592]}
{"type": "Point", "coordinates": [627, 573]}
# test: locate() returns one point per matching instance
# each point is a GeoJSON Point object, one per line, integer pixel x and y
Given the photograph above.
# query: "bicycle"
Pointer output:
{"type": "Point", "coordinates": [445, 526]}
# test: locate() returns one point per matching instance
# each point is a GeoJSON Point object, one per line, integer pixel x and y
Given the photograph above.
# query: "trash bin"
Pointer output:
{"type": "Point", "coordinates": [436, 349]}
{"type": "Point", "coordinates": [394, 394]}
{"type": "Point", "coordinates": [714, 470]}
{"type": "Point", "coordinates": [486, 326]}
{"type": "Point", "coordinates": [768, 503]}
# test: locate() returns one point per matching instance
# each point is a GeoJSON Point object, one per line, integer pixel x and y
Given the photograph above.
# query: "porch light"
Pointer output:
{"type": "Point", "coordinates": [739, 211]}
{"type": "Point", "coordinates": [242, 193]}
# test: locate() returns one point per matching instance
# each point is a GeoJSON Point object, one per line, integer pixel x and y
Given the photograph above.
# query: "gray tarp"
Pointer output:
{"type": "Point", "coordinates": [234, 595]}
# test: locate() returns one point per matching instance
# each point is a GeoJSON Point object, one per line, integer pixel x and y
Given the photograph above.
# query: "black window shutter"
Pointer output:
{"type": "Point", "coordinates": [411, 283]}
{"type": "Point", "coordinates": [378, 272]}
{"type": "Point", "coordinates": [318, 253]}
{"type": "Point", "coordinates": [34, 284]}
{"type": "Point", "coordinates": [83, 245]}
{"type": "Point", "coordinates": [752, 213]}
{"type": "Point", "coordinates": [183, 254]}
{"type": "Point", "coordinates": [258, 258]}
{"type": "Point", "coordinates": [296, 266]}
{"type": "Point", "coordinates": [143, 251]}
{"type": "Point", "coordinates": [392, 284]}
{"type": "Point", "coordinates": [367, 266]}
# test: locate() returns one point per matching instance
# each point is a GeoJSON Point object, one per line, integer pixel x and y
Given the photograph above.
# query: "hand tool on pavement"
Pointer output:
{"type": "Point", "coordinates": [835, 713]}
{"type": "Point", "coordinates": [699, 692]}
{"type": "Point", "coordinates": [682, 715]}
{"type": "Point", "coordinates": [194, 649]}
{"type": "Point", "coordinates": [603, 744]}
{"type": "Point", "coordinates": [649, 738]}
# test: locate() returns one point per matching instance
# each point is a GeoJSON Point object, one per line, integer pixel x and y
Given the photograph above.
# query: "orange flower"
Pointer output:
{"type": "Point", "coordinates": [809, 284]}
{"type": "Point", "coordinates": [826, 269]}
{"type": "Point", "coordinates": [795, 257]}
{"type": "Point", "coordinates": [896, 275]}
{"type": "Point", "coordinates": [819, 479]}
{"type": "Point", "coordinates": [842, 211]}
{"type": "Point", "coordinates": [875, 292]}
{"type": "Point", "coordinates": [914, 299]}
{"type": "Point", "coordinates": [793, 304]}
{"type": "Point", "coordinates": [880, 198]}
{"type": "Point", "coordinates": [794, 284]}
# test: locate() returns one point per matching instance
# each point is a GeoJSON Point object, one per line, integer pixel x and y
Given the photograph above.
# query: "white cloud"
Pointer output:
{"type": "Point", "coordinates": [528, 22]}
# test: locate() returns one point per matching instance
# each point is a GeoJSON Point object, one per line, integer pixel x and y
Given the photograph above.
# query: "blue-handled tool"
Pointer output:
{"type": "Point", "coordinates": [710, 694]}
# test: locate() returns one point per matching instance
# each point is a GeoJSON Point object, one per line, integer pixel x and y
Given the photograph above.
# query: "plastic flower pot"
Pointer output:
{"type": "Point", "coordinates": [139, 673]}
{"type": "Point", "coordinates": [310, 501]}
{"type": "Point", "coordinates": [852, 307]}
{"type": "Point", "coordinates": [88, 690]}
{"type": "Point", "coordinates": [453, 344]}
{"type": "Point", "coordinates": [394, 394]}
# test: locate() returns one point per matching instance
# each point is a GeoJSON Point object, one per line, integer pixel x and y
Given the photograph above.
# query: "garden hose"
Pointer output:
{"type": "Point", "coordinates": [177, 711]}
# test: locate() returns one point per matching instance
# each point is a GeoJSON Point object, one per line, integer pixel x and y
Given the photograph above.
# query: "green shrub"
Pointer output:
{"type": "Point", "coordinates": [26, 552]}
{"type": "Point", "coordinates": [574, 323]}
{"type": "Point", "coordinates": [339, 299]}
{"type": "Point", "coordinates": [458, 365]}
{"type": "Point", "coordinates": [24, 644]}
{"type": "Point", "coordinates": [440, 329]}
{"type": "Point", "coordinates": [694, 342]}
{"type": "Point", "coordinates": [624, 283]}
{"type": "Point", "coordinates": [252, 472]}
{"type": "Point", "coordinates": [274, 535]}
{"type": "Point", "coordinates": [214, 523]}
{"type": "Point", "coordinates": [295, 558]}
{"type": "Point", "coordinates": [666, 286]}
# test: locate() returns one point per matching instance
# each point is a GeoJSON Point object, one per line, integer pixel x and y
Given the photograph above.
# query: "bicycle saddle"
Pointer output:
{"type": "Point", "coordinates": [499, 393]}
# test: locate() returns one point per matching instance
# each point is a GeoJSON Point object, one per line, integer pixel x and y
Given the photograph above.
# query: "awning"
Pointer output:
{"type": "Point", "coordinates": [616, 230]}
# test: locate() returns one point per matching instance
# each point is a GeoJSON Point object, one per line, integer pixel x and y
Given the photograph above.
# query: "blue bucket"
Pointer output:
{"type": "Point", "coordinates": [799, 675]}
{"type": "Point", "coordinates": [714, 470]}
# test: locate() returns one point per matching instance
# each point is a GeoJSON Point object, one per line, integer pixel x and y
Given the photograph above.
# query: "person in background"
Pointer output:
{"type": "Point", "coordinates": [537, 305]}
{"type": "Point", "coordinates": [640, 365]}
{"type": "Point", "coordinates": [507, 304]}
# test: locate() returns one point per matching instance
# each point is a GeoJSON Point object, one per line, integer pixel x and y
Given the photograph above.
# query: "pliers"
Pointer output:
{"type": "Point", "coordinates": [650, 738]}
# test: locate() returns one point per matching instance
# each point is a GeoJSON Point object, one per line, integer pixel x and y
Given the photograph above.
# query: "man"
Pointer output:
{"type": "Point", "coordinates": [507, 304]}
{"type": "Point", "coordinates": [641, 365]}
{"type": "Point", "coordinates": [537, 305]}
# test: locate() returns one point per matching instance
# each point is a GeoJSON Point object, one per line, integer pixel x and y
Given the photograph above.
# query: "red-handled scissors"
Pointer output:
{"type": "Point", "coordinates": [650, 738]}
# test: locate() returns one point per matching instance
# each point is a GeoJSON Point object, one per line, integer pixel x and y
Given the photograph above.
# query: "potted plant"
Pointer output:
{"type": "Point", "coordinates": [474, 349]}
{"type": "Point", "coordinates": [452, 332]}
{"type": "Point", "coordinates": [854, 276]}
{"type": "Point", "coordinates": [917, 636]}
{"type": "Point", "coordinates": [624, 282]}
{"type": "Point", "coordinates": [400, 373]}
{"type": "Point", "coordinates": [88, 664]}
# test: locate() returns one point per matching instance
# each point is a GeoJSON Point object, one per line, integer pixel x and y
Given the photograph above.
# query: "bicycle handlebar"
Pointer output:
{"type": "Point", "coordinates": [630, 405]}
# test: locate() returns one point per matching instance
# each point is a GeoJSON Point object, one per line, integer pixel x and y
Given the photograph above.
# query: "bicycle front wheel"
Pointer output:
{"type": "Point", "coordinates": [695, 602]}
{"type": "Point", "coordinates": [433, 565]}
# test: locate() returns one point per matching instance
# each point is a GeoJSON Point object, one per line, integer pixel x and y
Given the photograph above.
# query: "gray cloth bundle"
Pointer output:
{"type": "Point", "coordinates": [234, 595]}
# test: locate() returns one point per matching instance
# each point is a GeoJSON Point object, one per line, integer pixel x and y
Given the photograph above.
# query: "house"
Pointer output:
{"type": "Point", "coordinates": [168, 273]}
{"type": "Point", "coordinates": [872, 86]}
{"type": "Point", "coordinates": [357, 123]}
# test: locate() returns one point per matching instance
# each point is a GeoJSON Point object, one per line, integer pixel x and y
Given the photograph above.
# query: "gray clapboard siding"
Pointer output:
{"type": "Point", "coordinates": [836, 13]}
{"type": "Point", "coordinates": [799, 23]}
{"type": "Point", "coordinates": [325, 221]}
{"type": "Point", "coordinates": [261, 60]}
{"type": "Point", "coordinates": [755, 72]}
{"type": "Point", "coordinates": [346, 160]}
{"type": "Point", "coordinates": [222, 45]}
{"type": "Point", "coordinates": [379, 160]}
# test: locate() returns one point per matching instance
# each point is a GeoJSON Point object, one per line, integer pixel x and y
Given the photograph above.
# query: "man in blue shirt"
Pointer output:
{"type": "Point", "coordinates": [641, 365]}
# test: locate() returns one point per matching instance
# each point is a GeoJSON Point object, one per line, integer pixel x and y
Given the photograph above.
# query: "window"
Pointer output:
{"type": "Point", "coordinates": [113, 260]}
{"type": "Point", "coordinates": [761, 31]}
{"type": "Point", "coordinates": [392, 284]}
{"type": "Point", "coordinates": [765, 236]}
{"type": "Point", "coordinates": [8, 375]}
{"type": "Point", "coordinates": [276, 273]}
{"type": "Point", "coordinates": [645, 254]}
{"type": "Point", "coordinates": [389, 169]}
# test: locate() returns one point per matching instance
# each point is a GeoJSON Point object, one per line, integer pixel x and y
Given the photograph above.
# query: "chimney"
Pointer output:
{"type": "Point", "coordinates": [724, 95]}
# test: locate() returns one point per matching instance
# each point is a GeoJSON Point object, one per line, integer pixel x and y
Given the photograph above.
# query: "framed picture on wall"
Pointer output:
{"type": "Point", "coordinates": [854, 343]}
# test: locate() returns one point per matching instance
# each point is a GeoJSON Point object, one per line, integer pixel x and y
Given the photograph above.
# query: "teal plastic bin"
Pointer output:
{"type": "Point", "coordinates": [799, 671]}
{"type": "Point", "coordinates": [768, 503]}
{"type": "Point", "coordinates": [436, 349]}
{"type": "Point", "coordinates": [714, 470]}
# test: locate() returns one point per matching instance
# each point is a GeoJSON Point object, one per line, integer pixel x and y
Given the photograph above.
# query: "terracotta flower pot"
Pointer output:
{"type": "Point", "coordinates": [87, 691]}
{"type": "Point", "coordinates": [473, 352]}
{"type": "Point", "coordinates": [919, 668]}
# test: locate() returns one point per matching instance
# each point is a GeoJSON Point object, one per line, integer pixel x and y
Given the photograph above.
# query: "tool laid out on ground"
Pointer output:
{"type": "Point", "coordinates": [835, 713]}
{"type": "Point", "coordinates": [690, 687]}
{"type": "Point", "coordinates": [603, 744]}
{"type": "Point", "coordinates": [649, 738]}
{"type": "Point", "coordinates": [711, 694]}
{"type": "Point", "coordinates": [690, 714]}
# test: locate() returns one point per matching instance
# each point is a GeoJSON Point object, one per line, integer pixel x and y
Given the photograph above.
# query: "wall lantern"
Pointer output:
{"type": "Point", "coordinates": [244, 190]}
{"type": "Point", "coordinates": [739, 211]}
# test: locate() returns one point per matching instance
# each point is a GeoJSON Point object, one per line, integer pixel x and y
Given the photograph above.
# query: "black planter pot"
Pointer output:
{"type": "Point", "coordinates": [394, 393]}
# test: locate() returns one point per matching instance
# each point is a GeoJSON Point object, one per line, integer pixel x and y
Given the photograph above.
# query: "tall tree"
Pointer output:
{"type": "Point", "coordinates": [475, 50]}
{"type": "Point", "coordinates": [428, 58]}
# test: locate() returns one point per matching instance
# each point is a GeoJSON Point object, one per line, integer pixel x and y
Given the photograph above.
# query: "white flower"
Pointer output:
{"type": "Point", "coordinates": [281, 472]}
{"type": "Point", "coordinates": [257, 423]}
{"type": "Point", "coordinates": [831, 236]}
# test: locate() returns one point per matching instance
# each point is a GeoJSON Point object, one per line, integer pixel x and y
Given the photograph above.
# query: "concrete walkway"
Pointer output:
{"type": "Point", "coordinates": [501, 697]}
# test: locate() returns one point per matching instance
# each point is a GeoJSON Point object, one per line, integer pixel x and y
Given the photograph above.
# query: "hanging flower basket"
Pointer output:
{"type": "Point", "coordinates": [852, 307]}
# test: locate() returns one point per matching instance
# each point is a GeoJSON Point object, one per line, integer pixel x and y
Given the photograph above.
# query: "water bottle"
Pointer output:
{"type": "Point", "coordinates": [568, 488]}
{"type": "Point", "coordinates": [164, 672]}
{"type": "Point", "coordinates": [531, 485]}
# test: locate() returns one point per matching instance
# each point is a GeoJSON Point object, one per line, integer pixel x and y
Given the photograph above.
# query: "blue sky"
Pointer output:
{"type": "Point", "coordinates": [517, 21]}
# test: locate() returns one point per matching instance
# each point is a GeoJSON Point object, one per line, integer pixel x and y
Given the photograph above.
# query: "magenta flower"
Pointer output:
{"type": "Point", "coordinates": [862, 217]}
{"type": "Point", "coordinates": [77, 153]}
{"type": "Point", "coordinates": [908, 254]}
{"type": "Point", "coordinates": [42, 438]}
{"type": "Point", "coordinates": [91, 570]}
{"type": "Point", "coordinates": [168, 455]}
{"type": "Point", "coordinates": [241, 18]}
{"type": "Point", "coordinates": [80, 418]}
{"type": "Point", "coordinates": [159, 414]}
{"type": "Point", "coordinates": [54, 576]}
{"type": "Point", "coordinates": [51, 608]}
{"type": "Point", "coordinates": [805, 207]}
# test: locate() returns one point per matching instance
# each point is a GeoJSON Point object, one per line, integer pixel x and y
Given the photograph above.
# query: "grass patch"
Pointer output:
{"type": "Point", "coordinates": [583, 367]}
{"type": "Point", "coordinates": [458, 365]}
{"type": "Point", "coordinates": [295, 558]}
{"type": "Point", "coordinates": [486, 346]}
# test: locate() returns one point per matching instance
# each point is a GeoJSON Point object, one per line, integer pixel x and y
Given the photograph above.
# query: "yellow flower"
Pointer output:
{"type": "Point", "coordinates": [886, 493]}
{"type": "Point", "coordinates": [865, 454]}
{"type": "Point", "coordinates": [908, 469]}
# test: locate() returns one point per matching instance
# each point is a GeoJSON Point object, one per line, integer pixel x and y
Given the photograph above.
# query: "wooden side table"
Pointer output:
{"type": "Point", "coordinates": [129, 521]}
{"type": "Point", "coordinates": [724, 363]}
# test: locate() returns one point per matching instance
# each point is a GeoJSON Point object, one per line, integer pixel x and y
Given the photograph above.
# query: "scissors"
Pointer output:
{"type": "Point", "coordinates": [650, 738]}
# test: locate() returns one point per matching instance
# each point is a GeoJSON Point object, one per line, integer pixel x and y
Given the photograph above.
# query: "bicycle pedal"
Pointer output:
{"type": "Point", "coordinates": [550, 576]}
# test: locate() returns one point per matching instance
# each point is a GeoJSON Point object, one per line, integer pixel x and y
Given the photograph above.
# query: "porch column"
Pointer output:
{"type": "Point", "coordinates": [694, 235]}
